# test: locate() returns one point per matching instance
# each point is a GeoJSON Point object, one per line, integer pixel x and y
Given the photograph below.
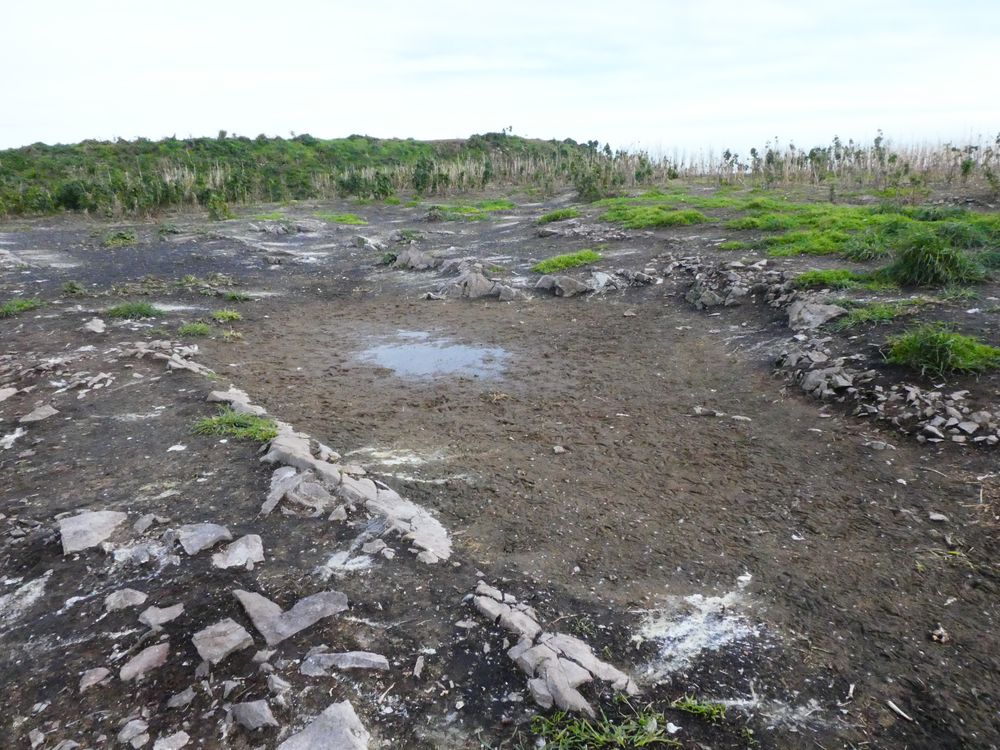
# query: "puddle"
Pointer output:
{"type": "Point", "coordinates": [415, 354]}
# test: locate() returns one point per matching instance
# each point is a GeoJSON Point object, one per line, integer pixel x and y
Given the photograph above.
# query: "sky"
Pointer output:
{"type": "Point", "coordinates": [670, 76]}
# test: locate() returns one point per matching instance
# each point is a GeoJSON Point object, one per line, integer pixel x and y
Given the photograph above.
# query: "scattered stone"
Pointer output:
{"type": "Point", "coordinates": [562, 286]}
{"type": "Point", "coordinates": [95, 325]}
{"type": "Point", "coordinates": [373, 547]}
{"type": "Point", "coordinates": [558, 449]}
{"type": "Point", "coordinates": [418, 667]}
{"type": "Point", "coordinates": [146, 521]}
{"type": "Point", "coordinates": [123, 598]}
{"type": "Point", "coordinates": [134, 733]}
{"type": "Point", "coordinates": [806, 315]}
{"type": "Point", "coordinates": [937, 517]}
{"type": "Point", "coordinates": [88, 529]}
{"type": "Point", "coordinates": [276, 625]}
{"type": "Point", "coordinates": [218, 641]}
{"type": "Point", "coordinates": [277, 685]}
{"type": "Point", "coordinates": [337, 728]}
{"type": "Point", "coordinates": [155, 617]}
{"type": "Point", "coordinates": [6, 393]}
{"type": "Point", "coordinates": [940, 635]}
{"type": "Point", "coordinates": [415, 260]}
{"type": "Point", "coordinates": [42, 412]}
{"type": "Point", "coordinates": [175, 741]}
{"type": "Point", "coordinates": [253, 715]}
{"type": "Point", "coordinates": [93, 677]}
{"type": "Point", "coordinates": [36, 738]}
{"type": "Point", "coordinates": [181, 699]}
{"type": "Point", "coordinates": [242, 553]}
{"type": "Point", "coordinates": [317, 665]}
{"type": "Point", "coordinates": [196, 537]}
{"type": "Point", "coordinates": [145, 661]}
{"type": "Point", "coordinates": [238, 401]}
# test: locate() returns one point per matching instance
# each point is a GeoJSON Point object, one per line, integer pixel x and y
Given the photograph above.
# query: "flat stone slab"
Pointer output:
{"type": "Point", "coordinates": [194, 537]}
{"type": "Point", "coordinates": [123, 598]}
{"type": "Point", "coordinates": [253, 715]}
{"type": "Point", "coordinates": [242, 553]}
{"type": "Point", "coordinates": [88, 529]}
{"type": "Point", "coordinates": [175, 741]}
{"type": "Point", "coordinates": [337, 728]}
{"type": "Point", "coordinates": [276, 625]}
{"type": "Point", "coordinates": [155, 617]}
{"type": "Point", "coordinates": [317, 665]}
{"type": "Point", "coordinates": [145, 661]}
{"type": "Point", "coordinates": [218, 641]}
{"type": "Point", "coordinates": [42, 412]}
{"type": "Point", "coordinates": [94, 677]}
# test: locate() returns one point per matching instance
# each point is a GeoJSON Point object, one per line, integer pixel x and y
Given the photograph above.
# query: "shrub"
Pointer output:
{"type": "Point", "coordinates": [568, 260]}
{"type": "Point", "coordinates": [924, 259]}
{"type": "Point", "coordinates": [935, 350]}
{"type": "Point", "coordinates": [218, 209]}
{"type": "Point", "coordinates": [13, 307]}
{"type": "Point", "coordinates": [230, 423]}
{"type": "Point", "coordinates": [73, 289]}
{"type": "Point", "coordinates": [134, 311]}
{"type": "Point", "coordinates": [560, 214]}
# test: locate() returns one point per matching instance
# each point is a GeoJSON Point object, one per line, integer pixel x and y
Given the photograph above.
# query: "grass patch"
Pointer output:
{"type": "Point", "coordinates": [875, 313]}
{"type": "Point", "coordinates": [226, 316]}
{"type": "Point", "coordinates": [833, 278]}
{"type": "Point", "coordinates": [560, 214]}
{"type": "Point", "coordinates": [644, 217]}
{"type": "Point", "coordinates": [468, 211]}
{"type": "Point", "coordinates": [711, 712]}
{"type": "Point", "coordinates": [342, 219]}
{"type": "Point", "coordinates": [237, 297]}
{"type": "Point", "coordinates": [924, 259]}
{"type": "Point", "coordinates": [633, 729]}
{"type": "Point", "coordinates": [734, 245]}
{"type": "Point", "coordinates": [230, 423]}
{"type": "Point", "coordinates": [13, 307]}
{"type": "Point", "coordinates": [567, 260]}
{"type": "Point", "coordinates": [120, 238]}
{"type": "Point", "coordinates": [73, 289]}
{"type": "Point", "coordinates": [134, 311]}
{"type": "Point", "coordinates": [935, 350]}
{"type": "Point", "coordinates": [271, 216]}
{"type": "Point", "coordinates": [194, 329]}
{"type": "Point", "coordinates": [807, 242]}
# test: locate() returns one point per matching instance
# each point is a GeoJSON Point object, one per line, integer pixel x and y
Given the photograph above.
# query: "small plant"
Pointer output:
{"type": "Point", "coordinates": [230, 423]}
{"type": "Point", "coordinates": [560, 214]}
{"type": "Point", "coordinates": [734, 245]}
{"type": "Point", "coordinates": [120, 238]}
{"type": "Point", "coordinates": [631, 729]}
{"type": "Point", "coordinates": [342, 218]}
{"type": "Point", "coordinates": [73, 289]}
{"type": "Point", "coordinates": [227, 316]}
{"type": "Point", "coordinates": [935, 350]}
{"type": "Point", "coordinates": [134, 311]}
{"type": "Point", "coordinates": [194, 329]}
{"type": "Point", "coordinates": [13, 307]}
{"type": "Point", "coordinates": [410, 235]}
{"type": "Point", "coordinates": [237, 296]}
{"type": "Point", "coordinates": [230, 336]}
{"type": "Point", "coordinates": [567, 260]}
{"type": "Point", "coordinates": [387, 259]}
{"type": "Point", "coordinates": [166, 229]}
{"type": "Point", "coordinates": [924, 259]}
{"type": "Point", "coordinates": [711, 712]}
{"type": "Point", "coordinates": [645, 217]}
{"type": "Point", "coordinates": [218, 209]}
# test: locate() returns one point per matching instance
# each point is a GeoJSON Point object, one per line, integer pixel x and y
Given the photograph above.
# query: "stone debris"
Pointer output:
{"type": "Point", "coordinates": [319, 664]}
{"type": "Point", "coordinates": [93, 677]}
{"type": "Point", "coordinates": [563, 286]}
{"type": "Point", "coordinates": [88, 529]}
{"type": "Point", "coordinates": [6, 393]}
{"type": "Point", "coordinates": [237, 400]}
{"type": "Point", "coordinates": [337, 728]}
{"type": "Point", "coordinates": [276, 625]}
{"type": "Point", "coordinates": [145, 661]}
{"type": "Point", "coordinates": [181, 699]}
{"type": "Point", "coordinates": [243, 553]}
{"type": "Point", "coordinates": [8, 440]}
{"type": "Point", "coordinates": [218, 641]}
{"type": "Point", "coordinates": [42, 412]}
{"type": "Point", "coordinates": [556, 664]}
{"type": "Point", "coordinates": [807, 315]}
{"type": "Point", "coordinates": [177, 356]}
{"type": "Point", "coordinates": [134, 733]}
{"type": "Point", "coordinates": [576, 229]}
{"type": "Point", "coordinates": [196, 537]}
{"type": "Point", "coordinates": [175, 741]}
{"type": "Point", "coordinates": [253, 715]}
{"type": "Point", "coordinates": [95, 325]}
{"type": "Point", "coordinates": [155, 617]}
{"type": "Point", "coordinates": [415, 260]}
{"type": "Point", "coordinates": [123, 598]}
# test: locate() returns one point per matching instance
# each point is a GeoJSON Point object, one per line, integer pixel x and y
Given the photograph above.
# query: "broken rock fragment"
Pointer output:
{"type": "Point", "coordinates": [175, 741]}
{"type": "Point", "coordinates": [42, 412]}
{"type": "Point", "coordinates": [253, 715]}
{"type": "Point", "coordinates": [155, 617]}
{"type": "Point", "coordinates": [276, 625]}
{"type": "Point", "coordinates": [337, 728]}
{"type": "Point", "coordinates": [218, 641]}
{"type": "Point", "coordinates": [93, 677]}
{"type": "Point", "coordinates": [88, 529]}
{"type": "Point", "coordinates": [134, 733]}
{"type": "Point", "coordinates": [195, 537]}
{"type": "Point", "coordinates": [145, 661]}
{"type": "Point", "coordinates": [317, 665]}
{"type": "Point", "coordinates": [123, 598]}
{"type": "Point", "coordinates": [181, 699]}
{"type": "Point", "coordinates": [242, 553]}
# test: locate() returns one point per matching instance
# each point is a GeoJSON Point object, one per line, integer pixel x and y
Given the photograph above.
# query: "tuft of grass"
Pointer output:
{"type": "Point", "coordinates": [734, 245]}
{"type": "Point", "coordinates": [237, 296]}
{"type": "Point", "coordinates": [924, 259]}
{"type": "Point", "coordinates": [194, 329]}
{"type": "Point", "coordinates": [632, 729]}
{"type": "Point", "coordinates": [876, 313]}
{"type": "Point", "coordinates": [73, 289]}
{"type": "Point", "coordinates": [13, 307]}
{"type": "Point", "coordinates": [269, 216]}
{"type": "Point", "coordinates": [989, 259]}
{"type": "Point", "coordinates": [560, 214]}
{"type": "Point", "coordinates": [644, 217]}
{"type": "Point", "coordinates": [832, 278]}
{"type": "Point", "coordinates": [935, 350]}
{"type": "Point", "coordinates": [226, 316]}
{"type": "Point", "coordinates": [120, 238]}
{"type": "Point", "coordinates": [765, 222]}
{"type": "Point", "coordinates": [712, 712]}
{"type": "Point", "coordinates": [342, 218]}
{"type": "Point", "coordinates": [230, 423]}
{"type": "Point", "coordinates": [567, 260]}
{"type": "Point", "coordinates": [134, 311]}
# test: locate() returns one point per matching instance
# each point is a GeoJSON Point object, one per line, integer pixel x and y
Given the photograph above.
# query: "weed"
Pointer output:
{"type": "Point", "coordinates": [194, 329]}
{"type": "Point", "coordinates": [468, 212]}
{"type": "Point", "coordinates": [166, 228]}
{"type": "Point", "coordinates": [935, 350]}
{"type": "Point", "coordinates": [230, 423]}
{"type": "Point", "coordinates": [734, 245]}
{"type": "Point", "coordinates": [227, 316]}
{"type": "Point", "coordinates": [560, 214]}
{"type": "Point", "coordinates": [567, 260]}
{"type": "Point", "coordinates": [73, 289]}
{"type": "Point", "coordinates": [712, 712]}
{"type": "Point", "coordinates": [989, 259]}
{"type": "Point", "coordinates": [924, 259]}
{"type": "Point", "coordinates": [342, 218]}
{"type": "Point", "coordinates": [957, 294]}
{"type": "Point", "coordinates": [237, 297]}
{"type": "Point", "coordinates": [13, 307]}
{"type": "Point", "coordinates": [134, 311]}
{"type": "Point", "coordinates": [643, 217]}
{"type": "Point", "coordinates": [120, 238]}
{"type": "Point", "coordinates": [393, 200]}
{"type": "Point", "coordinates": [632, 729]}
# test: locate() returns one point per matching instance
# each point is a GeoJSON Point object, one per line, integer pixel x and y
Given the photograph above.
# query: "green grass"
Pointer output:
{"type": "Point", "coordinates": [765, 223]}
{"type": "Point", "coordinates": [194, 329]}
{"type": "Point", "coordinates": [73, 289]}
{"type": "Point", "coordinates": [342, 219]}
{"type": "Point", "coordinates": [120, 238]}
{"type": "Point", "coordinates": [734, 245]}
{"type": "Point", "coordinates": [633, 729]}
{"type": "Point", "coordinates": [272, 216]}
{"type": "Point", "coordinates": [924, 259]}
{"type": "Point", "coordinates": [806, 242]}
{"type": "Point", "coordinates": [13, 307]}
{"type": "Point", "coordinates": [560, 214]}
{"type": "Point", "coordinates": [833, 278]}
{"type": "Point", "coordinates": [935, 350]}
{"type": "Point", "coordinates": [711, 712]}
{"type": "Point", "coordinates": [644, 217]}
{"type": "Point", "coordinates": [226, 316]}
{"type": "Point", "coordinates": [229, 423]}
{"type": "Point", "coordinates": [237, 297]}
{"type": "Point", "coordinates": [134, 311]}
{"type": "Point", "coordinates": [468, 211]}
{"type": "Point", "coordinates": [875, 313]}
{"type": "Point", "coordinates": [567, 260]}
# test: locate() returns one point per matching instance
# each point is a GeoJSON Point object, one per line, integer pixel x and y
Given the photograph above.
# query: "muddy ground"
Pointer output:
{"type": "Point", "coordinates": [631, 467]}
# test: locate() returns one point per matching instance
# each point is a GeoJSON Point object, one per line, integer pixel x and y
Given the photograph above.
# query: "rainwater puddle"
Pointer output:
{"type": "Point", "coordinates": [416, 354]}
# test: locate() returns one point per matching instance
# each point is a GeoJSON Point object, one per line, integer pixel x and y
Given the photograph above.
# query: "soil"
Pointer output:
{"type": "Point", "coordinates": [797, 569]}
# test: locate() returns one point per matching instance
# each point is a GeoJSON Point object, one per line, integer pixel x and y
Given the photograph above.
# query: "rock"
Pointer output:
{"type": "Point", "coordinates": [195, 537]}
{"type": "Point", "coordinates": [155, 617]}
{"type": "Point", "coordinates": [243, 553]}
{"type": "Point", "coordinates": [145, 661]}
{"type": "Point", "coordinates": [95, 325]}
{"type": "Point", "coordinates": [218, 641]}
{"type": "Point", "coordinates": [123, 598]}
{"type": "Point", "coordinates": [88, 529]}
{"type": "Point", "coordinates": [276, 625]}
{"type": "Point", "coordinates": [6, 393]}
{"type": "Point", "coordinates": [805, 315]}
{"type": "Point", "coordinates": [238, 401]}
{"type": "Point", "coordinates": [415, 260]}
{"type": "Point", "coordinates": [134, 733]}
{"type": "Point", "coordinates": [42, 412]}
{"type": "Point", "coordinates": [418, 667]}
{"type": "Point", "coordinates": [93, 677]}
{"type": "Point", "coordinates": [146, 521]}
{"type": "Point", "coordinates": [318, 664]}
{"type": "Point", "coordinates": [563, 286]}
{"type": "Point", "coordinates": [175, 741]}
{"type": "Point", "coordinates": [253, 715]}
{"type": "Point", "coordinates": [36, 738]}
{"type": "Point", "coordinates": [470, 285]}
{"type": "Point", "coordinates": [181, 699]}
{"type": "Point", "coordinates": [337, 728]}
{"type": "Point", "coordinates": [937, 517]}
{"type": "Point", "coordinates": [277, 685]}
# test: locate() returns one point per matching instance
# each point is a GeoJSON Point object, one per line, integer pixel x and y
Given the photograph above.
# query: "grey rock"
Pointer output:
{"type": "Point", "coordinates": [195, 537]}
{"type": "Point", "coordinates": [415, 260]}
{"type": "Point", "coordinates": [470, 285]}
{"type": "Point", "coordinates": [937, 517]}
{"type": "Point", "coordinates": [155, 617]}
{"type": "Point", "coordinates": [242, 553]}
{"type": "Point", "coordinates": [317, 665]}
{"type": "Point", "coordinates": [337, 728]}
{"type": "Point", "coordinates": [93, 677]}
{"type": "Point", "coordinates": [218, 641]}
{"type": "Point", "coordinates": [145, 661]}
{"type": "Point", "coordinates": [238, 401]}
{"type": "Point", "coordinates": [253, 715]}
{"type": "Point", "coordinates": [175, 741]}
{"type": "Point", "coordinates": [181, 699]}
{"type": "Point", "coordinates": [95, 325]}
{"type": "Point", "coordinates": [132, 731]}
{"type": "Point", "coordinates": [42, 412]}
{"type": "Point", "coordinates": [88, 529]}
{"type": "Point", "coordinates": [6, 393]}
{"type": "Point", "coordinates": [123, 598]}
{"type": "Point", "coordinates": [276, 625]}
{"type": "Point", "coordinates": [563, 286]}
{"type": "Point", "coordinates": [805, 315]}
{"type": "Point", "coordinates": [277, 685]}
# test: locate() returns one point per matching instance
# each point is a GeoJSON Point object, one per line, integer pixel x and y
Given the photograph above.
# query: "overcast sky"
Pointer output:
{"type": "Point", "coordinates": [660, 75]}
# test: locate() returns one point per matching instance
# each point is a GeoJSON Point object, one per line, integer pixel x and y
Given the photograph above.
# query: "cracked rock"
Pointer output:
{"type": "Point", "coordinates": [175, 741]}
{"type": "Point", "coordinates": [155, 617]}
{"type": "Point", "coordinates": [94, 677]}
{"type": "Point", "coordinates": [316, 665]}
{"type": "Point", "coordinates": [218, 641]}
{"type": "Point", "coordinates": [123, 598]}
{"type": "Point", "coordinates": [42, 412]}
